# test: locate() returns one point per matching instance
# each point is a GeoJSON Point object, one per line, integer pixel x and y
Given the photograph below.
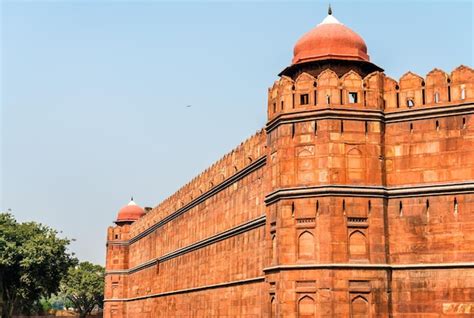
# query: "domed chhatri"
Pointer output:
{"type": "Point", "coordinates": [330, 40]}
{"type": "Point", "coordinates": [130, 213]}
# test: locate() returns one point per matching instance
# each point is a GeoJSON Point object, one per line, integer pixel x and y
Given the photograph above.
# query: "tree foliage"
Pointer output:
{"type": "Point", "coordinates": [84, 287]}
{"type": "Point", "coordinates": [33, 260]}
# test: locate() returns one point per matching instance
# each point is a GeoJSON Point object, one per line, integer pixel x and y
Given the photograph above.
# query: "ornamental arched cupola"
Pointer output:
{"type": "Point", "coordinates": [129, 213]}
{"type": "Point", "coordinates": [330, 44]}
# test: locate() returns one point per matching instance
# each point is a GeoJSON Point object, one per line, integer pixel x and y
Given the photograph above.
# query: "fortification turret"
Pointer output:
{"type": "Point", "coordinates": [325, 132]}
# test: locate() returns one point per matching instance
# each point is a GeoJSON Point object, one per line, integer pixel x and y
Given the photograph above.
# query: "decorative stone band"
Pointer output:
{"type": "Point", "coordinates": [354, 266]}
{"type": "Point", "coordinates": [346, 266]}
{"type": "Point", "coordinates": [257, 164]}
{"type": "Point", "coordinates": [260, 221]}
{"type": "Point", "coordinates": [371, 191]}
{"type": "Point", "coordinates": [371, 115]}
{"type": "Point", "coordinates": [191, 290]}
{"type": "Point", "coordinates": [427, 113]}
{"type": "Point", "coordinates": [333, 113]}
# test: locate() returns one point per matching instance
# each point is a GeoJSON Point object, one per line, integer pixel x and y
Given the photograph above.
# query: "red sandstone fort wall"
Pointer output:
{"type": "Point", "coordinates": [193, 243]}
{"type": "Point", "coordinates": [341, 208]}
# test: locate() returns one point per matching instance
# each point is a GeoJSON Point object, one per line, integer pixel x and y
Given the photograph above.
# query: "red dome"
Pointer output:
{"type": "Point", "coordinates": [330, 40]}
{"type": "Point", "coordinates": [130, 213]}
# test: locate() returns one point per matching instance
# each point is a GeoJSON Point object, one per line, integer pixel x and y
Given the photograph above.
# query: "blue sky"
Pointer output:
{"type": "Point", "coordinates": [94, 93]}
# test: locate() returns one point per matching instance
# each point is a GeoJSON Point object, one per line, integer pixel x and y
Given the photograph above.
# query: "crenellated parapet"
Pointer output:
{"type": "Point", "coordinates": [375, 91]}
{"type": "Point", "coordinates": [232, 163]}
{"type": "Point", "coordinates": [326, 91]}
{"type": "Point", "coordinates": [438, 88]}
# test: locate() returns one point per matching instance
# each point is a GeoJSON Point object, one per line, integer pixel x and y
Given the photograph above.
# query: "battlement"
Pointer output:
{"type": "Point", "coordinates": [376, 91]}
{"type": "Point", "coordinates": [242, 156]}
{"type": "Point", "coordinates": [437, 88]}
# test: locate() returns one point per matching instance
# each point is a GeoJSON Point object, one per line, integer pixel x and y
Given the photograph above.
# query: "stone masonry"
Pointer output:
{"type": "Point", "coordinates": [355, 200]}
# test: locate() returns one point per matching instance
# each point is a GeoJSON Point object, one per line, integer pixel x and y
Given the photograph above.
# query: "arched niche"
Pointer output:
{"type": "Point", "coordinates": [306, 307]}
{"type": "Point", "coordinates": [358, 249]}
{"type": "Point", "coordinates": [306, 245]}
{"type": "Point", "coordinates": [355, 165]}
{"type": "Point", "coordinates": [359, 307]}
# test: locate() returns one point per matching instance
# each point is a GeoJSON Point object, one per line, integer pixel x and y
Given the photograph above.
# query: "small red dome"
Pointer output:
{"type": "Point", "coordinates": [330, 40]}
{"type": "Point", "coordinates": [130, 213]}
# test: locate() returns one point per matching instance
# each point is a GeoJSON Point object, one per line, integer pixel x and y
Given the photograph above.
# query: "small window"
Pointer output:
{"type": "Point", "coordinates": [328, 99]}
{"type": "Point", "coordinates": [274, 107]}
{"type": "Point", "coordinates": [463, 92]}
{"type": "Point", "coordinates": [304, 99]}
{"type": "Point", "coordinates": [410, 102]}
{"type": "Point", "coordinates": [281, 105]}
{"type": "Point", "coordinates": [353, 98]}
{"type": "Point", "coordinates": [116, 236]}
{"type": "Point", "coordinates": [436, 98]}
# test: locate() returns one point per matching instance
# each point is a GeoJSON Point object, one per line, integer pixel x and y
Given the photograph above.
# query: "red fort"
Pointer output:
{"type": "Point", "coordinates": [355, 200]}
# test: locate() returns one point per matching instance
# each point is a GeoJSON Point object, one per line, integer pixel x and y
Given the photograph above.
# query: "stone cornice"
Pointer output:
{"type": "Point", "coordinates": [371, 114]}
{"type": "Point", "coordinates": [326, 113]}
{"type": "Point", "coordinates": [427, 113]}
{"type": "Point", "coordinates": [257, 164]}
{"type": "Point", "coordinates": [342, 266]}
{"type": "Point", "coordinates": [255, 223]}
{"type": "Point", "coordinates": [358, 266]}
{"type": "Point", "coordinates": [190, 290]}
{"type": "Point", "coordinates": [371, 191]}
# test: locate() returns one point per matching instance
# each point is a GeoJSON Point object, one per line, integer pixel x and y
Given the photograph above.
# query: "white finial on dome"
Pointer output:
{"type": "Point", "coordinates": [330, 19]}
{"type": "Point", "coordinates": [131, 202]}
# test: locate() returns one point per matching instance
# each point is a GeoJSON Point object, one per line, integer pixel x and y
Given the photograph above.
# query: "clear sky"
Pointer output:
{"type": "Point", "coordinates": [94, 93]}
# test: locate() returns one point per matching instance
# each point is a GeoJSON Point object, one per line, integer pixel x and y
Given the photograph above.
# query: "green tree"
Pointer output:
{"type": "Point", "coordinates": [84, 287]}
{"type": "Point", "coordinates": [33, 260]}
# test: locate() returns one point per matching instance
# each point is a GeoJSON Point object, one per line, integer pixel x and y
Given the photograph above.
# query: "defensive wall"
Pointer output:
{"type": "Point", "coordinates": [357, 199]}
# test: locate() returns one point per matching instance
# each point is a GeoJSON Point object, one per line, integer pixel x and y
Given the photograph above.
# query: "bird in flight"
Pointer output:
{"type": "Point", "coordinates": [187, 106]}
